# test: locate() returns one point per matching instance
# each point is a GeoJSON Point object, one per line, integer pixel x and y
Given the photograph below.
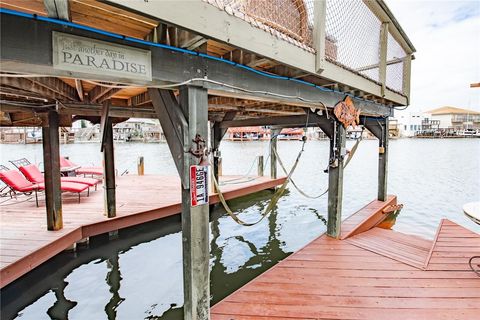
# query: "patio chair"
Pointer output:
{"type": "Point", "coordinates": [33, 174]}
{"type": "Point", "coordinates": [18, 183]}
{"type": "Point", "coordinates": [94, 171]}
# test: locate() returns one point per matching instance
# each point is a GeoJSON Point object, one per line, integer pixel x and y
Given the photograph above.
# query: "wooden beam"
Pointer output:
{"type": "Point", "coordinates": [170, 66]}
{"type": "Point", "coordinates": [79, 88]}
{"type": "Point", "coordinates": [195, 219]}
{"type": "Point", "coordinates": [101, 93]}
{"type": "Point", "coordinates": [59, 9]}
{"type": "Point", "coordinates": [475, 85]}
{"type": "Point", "coordinates": [173, 123]}
{"type": "Point", "coordinates": [58, 86]}
{"type": "Point", "coordinates": [51, 160]}
{"type": "Point", "coordinates": [28, 85]}
{"type": "Point", "coordinates": [335, 180]}
{"type": "Point", "coordinates": [311, 120]}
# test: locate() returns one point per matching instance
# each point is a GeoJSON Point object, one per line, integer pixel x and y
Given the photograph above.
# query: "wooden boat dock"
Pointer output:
{"type": "Point", "coordinates": [369, 273]}
{"type": "Point", "coordinates": [25, 242]}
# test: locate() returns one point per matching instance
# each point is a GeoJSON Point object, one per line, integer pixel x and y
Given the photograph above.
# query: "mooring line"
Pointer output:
{"type": "Point", "coordinates": [273, 201]}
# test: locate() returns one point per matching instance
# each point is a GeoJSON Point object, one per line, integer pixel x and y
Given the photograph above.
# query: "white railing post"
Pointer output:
{"type": "Point", "coordinates": [319, 17]}
{"type": "Point", "coordinates": [382, 70]}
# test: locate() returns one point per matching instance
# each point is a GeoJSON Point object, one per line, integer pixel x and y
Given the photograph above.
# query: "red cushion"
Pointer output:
{"type": "Point", "coordinates": [17, 182]}
{"type": "Point", "coordinates": [87, 181]}
{"type": "Point", "coordinates": [73, 187]}
{"type": "Point", "coordinates": [92, 170]}
{"type": "Point", "coordinates": [32, 173]}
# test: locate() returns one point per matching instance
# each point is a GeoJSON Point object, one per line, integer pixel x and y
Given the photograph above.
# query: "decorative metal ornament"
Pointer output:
{"type": "Point", "coordinates": [346, 112]}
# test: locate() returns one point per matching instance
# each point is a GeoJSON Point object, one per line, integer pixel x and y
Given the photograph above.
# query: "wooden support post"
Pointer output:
{"type": "Point", "coordinates": [335, 180]}
{"type": "Point", "coordinates": [109, 170]}
{"type": "Point", "coordinates": [51, 160]}
{"type": "Point", "coordinates": [216, 155]}
{"type": "Point", "coordinates": [260, 166]}
{"type": "Point", "coordinates": [383, 160]}
{"type": "Point", "coordinates": [195, 220]}
{"type": "Point", "coordinates": [273, 147]}
{"type": "Point", "coordinates": [140, 166]}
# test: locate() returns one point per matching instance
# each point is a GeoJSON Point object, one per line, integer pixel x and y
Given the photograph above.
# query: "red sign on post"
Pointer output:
{"type": "Point", "coordinates": [198, 185]}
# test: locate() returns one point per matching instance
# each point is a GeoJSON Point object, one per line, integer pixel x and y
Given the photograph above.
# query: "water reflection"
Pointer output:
{"type": "Point", "coordinates": [139, 275]}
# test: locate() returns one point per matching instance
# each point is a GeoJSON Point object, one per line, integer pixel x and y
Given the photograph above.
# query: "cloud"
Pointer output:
{"type": "Point", "coordinates": [446, 35]}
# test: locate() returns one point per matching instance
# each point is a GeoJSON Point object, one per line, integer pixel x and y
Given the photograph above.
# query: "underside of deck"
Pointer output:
{"type": "Point", "coordinates": [375, 274]}
{"type": "Point", "coordinates": [25, 242]}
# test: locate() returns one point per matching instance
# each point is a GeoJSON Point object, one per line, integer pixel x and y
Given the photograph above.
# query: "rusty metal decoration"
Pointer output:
{"type": "Point", "coordinates": [346, 112]}
{"type": "Point", "coordinates": [200, 150]}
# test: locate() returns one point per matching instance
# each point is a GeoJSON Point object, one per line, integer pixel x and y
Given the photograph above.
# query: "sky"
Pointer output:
{"type": "Point", "coordinates": [446, 35]}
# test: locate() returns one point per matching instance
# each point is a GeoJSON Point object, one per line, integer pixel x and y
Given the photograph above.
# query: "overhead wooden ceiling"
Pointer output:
{"type": "Point", "coordinates": [45, 91]}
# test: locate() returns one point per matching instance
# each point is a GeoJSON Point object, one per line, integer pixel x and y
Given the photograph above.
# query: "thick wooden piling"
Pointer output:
{"type": "Point", "coordinates": [140, 166]}
{"type": "Point", "coordinates": [273, 149]}
{"type": "Point", "coordinates": [51, 160]}
{"type": "Point", "coordinates": [260, 166]}
{"type": "Point", "coordinates": [109, 170]}
{"type": "Point", "coordinates": [195, 219]}
{"type": "Point", "coordinates": [383, 160]}
{"type": "Point", "coordinates": [335, 180]}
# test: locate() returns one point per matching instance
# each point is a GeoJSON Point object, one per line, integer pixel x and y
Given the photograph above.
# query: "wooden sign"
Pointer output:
{"type": "Point", "coordinates": [89, 56]}
{"type": "Point", "coordinates": [346, 112]}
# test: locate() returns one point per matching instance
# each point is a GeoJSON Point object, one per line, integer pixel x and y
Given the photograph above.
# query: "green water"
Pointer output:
{"type": "Point", "coordinates": [139, 275]}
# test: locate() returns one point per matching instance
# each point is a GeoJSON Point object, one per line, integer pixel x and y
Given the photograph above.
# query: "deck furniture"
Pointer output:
{"type": "Point", "coordinates": [33, 174]}
{"type": "Point", "coordinates": [18, 183]}
{"type": "Point", "coordinates": [67, 164]}
{"type": "Point", "coordinates": [472, 210]}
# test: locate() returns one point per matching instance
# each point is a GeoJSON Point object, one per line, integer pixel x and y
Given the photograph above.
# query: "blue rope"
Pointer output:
{"type": "Point", "coordinates": [168, 47]}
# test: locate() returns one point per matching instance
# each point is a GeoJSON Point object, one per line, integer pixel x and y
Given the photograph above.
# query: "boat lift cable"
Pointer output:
{"type": "Point", "coordinates": [352, 153]}
{"type": "Point", "coordinates": [273, 201]}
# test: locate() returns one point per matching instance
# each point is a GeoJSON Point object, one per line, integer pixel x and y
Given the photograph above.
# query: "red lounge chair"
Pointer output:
{"type": "Point", "coordinates": [18, 183]}
{"type": "Point", "coordinates": [94, 171]}
{"type": "Point", "coordinates": [33, 174]}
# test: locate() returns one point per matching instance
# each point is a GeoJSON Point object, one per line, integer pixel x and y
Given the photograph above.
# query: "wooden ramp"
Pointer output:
{"type": "Point", "coordinates": [25, 242]}
{"type": "Point", "coordinates": [358, 278]}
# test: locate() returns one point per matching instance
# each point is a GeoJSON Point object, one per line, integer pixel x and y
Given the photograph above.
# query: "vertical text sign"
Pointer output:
{"type": "Point", "coordinates": [80, 54]}
{"type": "Point", "coordinates": [199, 185]}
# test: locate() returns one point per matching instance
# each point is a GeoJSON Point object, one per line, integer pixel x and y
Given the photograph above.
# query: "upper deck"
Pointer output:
{"type": "Point", "coordinates": [304, 53]}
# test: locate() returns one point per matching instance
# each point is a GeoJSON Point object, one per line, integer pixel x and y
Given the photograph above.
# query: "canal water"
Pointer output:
{"type": "Point", "coordinates": [139, 275]}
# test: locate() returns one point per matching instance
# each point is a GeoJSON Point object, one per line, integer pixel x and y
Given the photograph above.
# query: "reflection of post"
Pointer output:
{"type": "Point", "coordinates": [62, 306]}
{"type": "Point", "coordinates": [113, 280]}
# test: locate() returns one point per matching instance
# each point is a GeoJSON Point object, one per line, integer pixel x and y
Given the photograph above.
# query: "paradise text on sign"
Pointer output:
{"type": "Point", "coordinates": [80, 54]}
{"type": "Point", "coordinates": [199, 185]}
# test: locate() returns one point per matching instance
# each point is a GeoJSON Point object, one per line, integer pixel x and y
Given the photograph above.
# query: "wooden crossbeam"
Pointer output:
{"type": "Point", "coordinates": [30, 86]}
{"type": "Point", "coordinates": [79, 88]}
{"type": "Point", "coordinates": [58, 86]}
{"type": "Point", "coordinates": [100, 93]}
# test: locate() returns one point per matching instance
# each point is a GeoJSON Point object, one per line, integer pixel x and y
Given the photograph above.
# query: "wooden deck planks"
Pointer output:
{"type": "Point", "coordinates": [25, 242]}
{"type": "Point", "coordinates": [357, 279]}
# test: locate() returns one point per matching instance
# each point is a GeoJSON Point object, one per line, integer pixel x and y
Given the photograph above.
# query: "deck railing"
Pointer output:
{"type": "Point", "coordinates": [353, 34]}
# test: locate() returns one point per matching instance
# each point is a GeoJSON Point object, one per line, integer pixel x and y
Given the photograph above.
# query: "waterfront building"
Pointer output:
{"type": "Point", "coordinates": [455, 118]}
{"type": "Point", "coordinates": [409, 124]}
